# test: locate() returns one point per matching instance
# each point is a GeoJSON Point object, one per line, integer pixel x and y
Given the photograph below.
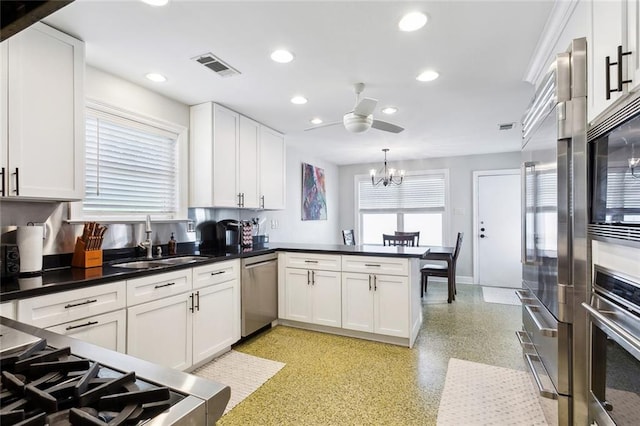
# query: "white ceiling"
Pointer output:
{"type": "Point", "coordinates": [480, 48]}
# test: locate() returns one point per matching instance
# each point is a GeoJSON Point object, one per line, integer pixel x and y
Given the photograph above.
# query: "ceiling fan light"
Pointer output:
{"type": "Point", "coordinates": [316, 121]}
{"type": "Point", "coordinates": [428, 75]}
{"type": "Point", "coordinates": [412, 21]}
{"type": "Point", "coordinates": [282, 56]}
{"type": "Point", "coordinates": [389, 110]}
{"type": "Point", "coordinates": [357, 123]}
{"type": "Point", "coordinates": [156, 77]}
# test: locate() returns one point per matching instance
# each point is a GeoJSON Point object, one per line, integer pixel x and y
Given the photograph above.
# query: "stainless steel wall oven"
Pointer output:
{"type": "Point", "coordinates": [614, 314]}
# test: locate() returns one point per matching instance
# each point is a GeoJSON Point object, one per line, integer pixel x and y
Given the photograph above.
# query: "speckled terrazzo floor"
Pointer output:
{"type": "Point", "coordinates": [334, 380]}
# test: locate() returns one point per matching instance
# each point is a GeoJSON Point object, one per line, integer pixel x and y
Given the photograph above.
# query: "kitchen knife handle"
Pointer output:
{"type": "Point", "coordinates": [2, 173]}
{"type": "Point", "coordinates": [17, 190]}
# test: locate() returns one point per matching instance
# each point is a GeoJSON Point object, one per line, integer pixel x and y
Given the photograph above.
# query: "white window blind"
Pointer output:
{"type": "Point", "coordinates": [415, 192]}
{"type": "Point", "coordinates": [131, 167]}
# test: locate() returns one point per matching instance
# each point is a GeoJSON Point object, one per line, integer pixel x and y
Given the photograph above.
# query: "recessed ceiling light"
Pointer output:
{"type": "Point", "coordinates": [156, 2]}
{"type": "Point", "coordinates": [390, 110]}
{"type": "Point", "coordinates": [316, 121]}
{"type": "Point", "coordinates": [158, 78]}
{"type": "Point", "coordinates": [282, 56]}
{"type": "Point", "coordinates": [412, 21]}
{"type": "Point", "coordinates": [299, 100]}
{"type": "Point", "coordinates": [428, 75]}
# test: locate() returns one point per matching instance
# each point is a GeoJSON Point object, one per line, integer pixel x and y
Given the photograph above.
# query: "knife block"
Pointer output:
{"type": "Point", "coordinates": [83, 258]}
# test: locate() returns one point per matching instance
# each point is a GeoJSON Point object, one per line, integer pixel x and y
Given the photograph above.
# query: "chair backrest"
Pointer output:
{"type": "Point", "coordinates": [415, 235]}
{"type": "Point", "coordinates": [348, 237]}
{"type": "Point", "coordinates": [456, 251]}
{"type": "Point", "coordinates": [398, 240]}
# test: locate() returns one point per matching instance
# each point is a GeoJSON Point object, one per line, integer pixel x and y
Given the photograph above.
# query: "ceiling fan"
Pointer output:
{"type": "Point", "coordinates": [361, 118]}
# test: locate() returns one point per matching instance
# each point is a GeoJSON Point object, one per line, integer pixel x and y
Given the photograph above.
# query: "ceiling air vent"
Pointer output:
{"type": "Point", "coordinates": [506, 126]}
{"type": "Point", "coordinates": [216, 65]}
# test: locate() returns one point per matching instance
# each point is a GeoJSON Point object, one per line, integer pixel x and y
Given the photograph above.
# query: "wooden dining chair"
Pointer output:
{"type": "Point", "coordinates": [348, 237]}
{"type": "Point", "coordinates": [398, 240]}
{"type": "Point", "coordinates": [446, 270]}
{"type": "Point", "coordinates": [415, 235]}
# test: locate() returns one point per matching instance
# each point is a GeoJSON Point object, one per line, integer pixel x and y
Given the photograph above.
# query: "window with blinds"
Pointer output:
{"type": "Point", "coordinates": [131, 167]}
{"type": "Point", "coordinates": [415, 192]}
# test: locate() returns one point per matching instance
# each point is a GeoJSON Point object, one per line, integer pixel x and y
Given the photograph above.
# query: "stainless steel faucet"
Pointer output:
{"type": "Point", "coordinates": [146, 244]}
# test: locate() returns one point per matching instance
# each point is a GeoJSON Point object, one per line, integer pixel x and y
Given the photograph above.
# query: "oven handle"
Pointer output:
{"type": "Point", "coordinates": [621, 332]}
{"type": "Point", "coordinates": [523, 297]}
{"type": "Point", "coordinates": [545, 393]}
{"type": "Point", "coordinates": [549, 332]}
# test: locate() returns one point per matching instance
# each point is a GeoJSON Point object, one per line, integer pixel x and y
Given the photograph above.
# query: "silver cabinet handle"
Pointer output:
{"type": "Point", "coordinates": [198, 300]}
{"type": "Point", "coordinates": [255, 265]}
{"type": "Point", "coordinates": [72, 305]}
{"type": "Point", "coordinates": [164, 285]}
{"type": "Point", "coordinates": [262, 202]}
{"type": "Point", "coordinates": [369, 282]}
{"type": "Point", "coordinates": [313, 277]}
{"type": "Point", "coordinates": [523, 297]}
{"type": "Point", "coordinates": [372, 264]}
{"type": "Point", "coordinates": [375, 283]}
{"type": "Point", "coordinates": [549, 332]}
{"type": "Point", "coordinates": [308, 277]}
{"type": "Point", "coordinates": [87, 324]}
{"type": "Point", "coordinates": [191, 300]}
{"type": "Point", "coordinates": [523, 338]}
{"type": "Point", "coordinates": [545, 393]}
{"type": "Point", "coordinates": [218, 272]}
{"type": "Point", "coordinates": [3, 188]}
{"type": "Point", "coordinates": [615, 328]}
{"type": "Point", "coordinates": [17, 190]}
{"type": "Point", "coordinates": [310, 261]}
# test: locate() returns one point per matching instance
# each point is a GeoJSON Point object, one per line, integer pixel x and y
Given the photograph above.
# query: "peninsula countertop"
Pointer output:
{"type": "Point", "coordinates": [70, 278]}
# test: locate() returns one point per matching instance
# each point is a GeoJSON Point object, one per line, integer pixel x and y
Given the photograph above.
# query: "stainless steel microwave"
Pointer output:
{"type": "Point", "coordinates": [615, 165]}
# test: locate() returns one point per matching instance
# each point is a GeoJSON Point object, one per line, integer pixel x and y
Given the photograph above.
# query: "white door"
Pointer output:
{"type": "Point", "coordinates": [497, 236]}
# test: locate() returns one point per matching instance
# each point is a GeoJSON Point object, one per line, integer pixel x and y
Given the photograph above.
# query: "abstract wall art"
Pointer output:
{"type": "Point", "coordinates": [314, 198]}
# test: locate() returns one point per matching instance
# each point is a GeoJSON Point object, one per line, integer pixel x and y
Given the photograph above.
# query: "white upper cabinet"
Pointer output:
{"type": "Point", "coordinates": [613, 34]}
{"type": "Point", "coordinates": [214, 156]}
{"type": "Point", "coordinates": [272, 170]}
{"type": "Point", "coordinates": [248, 163]}
{"type": "Point", "coordinates": [42, 115]}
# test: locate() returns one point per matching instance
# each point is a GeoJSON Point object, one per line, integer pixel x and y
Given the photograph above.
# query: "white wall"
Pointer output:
{"type": "Point", "coordinates": [460, 186]}
{"type": "Point", "coordinates": [291, 227]}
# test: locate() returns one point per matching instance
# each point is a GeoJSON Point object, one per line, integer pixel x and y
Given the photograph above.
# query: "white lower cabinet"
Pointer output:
{"type": "Point", "coordinates": [161, 331]}
{"type": "Point", "coordinates": [313, 296]}
{"type": "Point", "coordinates": [8, 310]}
{"type": "Point", "coordinates": [106, 330]}
{"type": "Point", "coordinates": [375, 303]}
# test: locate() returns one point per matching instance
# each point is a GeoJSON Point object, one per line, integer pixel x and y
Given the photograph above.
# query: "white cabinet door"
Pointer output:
{"type": "Point", "coordinates": [248, 162]}
{"type": "Point", "coordinates": [8, 310]}
{"type": "Point", "coordinates": [298, 288]}
{"type": "Point", "coordinates": [225, 157]}
{"type": "Point", "coordinates": [606, 34]}
{"type": "Point", "coordinates": [272, 169]}
{"type": "Point", "coordinates": [45, 132]}
{"type": "Point", "coordinates": [161, 331]}
{"type": "Point", "coordinates": [633, 43]}
{"type": "Point", "coordinates": [357, 302]}
{"type": "Point", "coordinates": [106, 330]}
{"type": "Point", "coordinates": [214, 325]}
{"type": "Point", "coordinates": [391, 305]}
{"type": "Point", "coordinates": [326, 306]}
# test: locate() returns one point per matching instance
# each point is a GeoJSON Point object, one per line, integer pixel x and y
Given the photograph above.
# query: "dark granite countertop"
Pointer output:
{"type": "Point", "coordinates": [68, 278]}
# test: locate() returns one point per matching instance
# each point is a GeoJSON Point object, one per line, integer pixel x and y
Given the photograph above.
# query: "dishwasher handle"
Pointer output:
{"type": "Point", "coordinates": [255, 265]}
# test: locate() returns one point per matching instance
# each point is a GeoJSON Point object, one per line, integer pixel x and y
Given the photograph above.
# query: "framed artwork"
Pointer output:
{"type": "Point", "coordinates": [314, 199]}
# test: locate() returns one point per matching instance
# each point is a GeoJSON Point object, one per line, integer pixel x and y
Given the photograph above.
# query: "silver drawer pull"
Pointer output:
{"type": "Point", "coordinates": [523, 297]}
{"type": "Point", "coordinates": [218, 272]}
{"type": "Point", "coordinates": [372, 264]}
{"type": "Point", "coordinates": [87, 324]}
{"type": "Point", "coordinates": [86, 302]}
{"type": "Point", "coordinates": [545, 393]}
{"type": "Point", "coordinates": [310, 261]}
{"type": "Point", "coordinates": [549, 332]}
{"type": "Point", "coordinates": [165, 285]}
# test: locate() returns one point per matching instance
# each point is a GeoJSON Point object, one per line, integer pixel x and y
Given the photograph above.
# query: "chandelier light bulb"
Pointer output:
{"type": "Point", "coordinates": [389, 176]}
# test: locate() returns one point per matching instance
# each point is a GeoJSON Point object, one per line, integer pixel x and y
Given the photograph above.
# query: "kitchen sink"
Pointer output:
{"type": "Point", "coordinates": [158, 263]}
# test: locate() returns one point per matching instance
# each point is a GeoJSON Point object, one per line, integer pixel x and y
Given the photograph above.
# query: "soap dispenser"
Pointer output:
{"type": "Point", "coordinates": [172, 245]}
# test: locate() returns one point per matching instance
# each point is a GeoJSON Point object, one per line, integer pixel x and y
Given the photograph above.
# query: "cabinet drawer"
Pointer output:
{"type": "Point", "coordinates": [8, 310]}
{"type": "Point", "coordinates": [106, 330]}
{"type": "Point", "coordinates": [375, 265]}
{"type": "Point", "coordinates": [58, 308]}
{"type": "Point", "coordinates": [216, 273]}
{"type": "Point", "coordinates": [155, 287]}
{"type": "Point", "coordinates": [325, 262]}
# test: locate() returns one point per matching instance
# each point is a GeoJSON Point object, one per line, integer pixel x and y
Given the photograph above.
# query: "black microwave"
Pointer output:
{"type": "Point", "coordinates": [615, 167]}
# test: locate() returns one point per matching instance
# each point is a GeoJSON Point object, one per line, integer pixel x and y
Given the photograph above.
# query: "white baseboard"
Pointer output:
{"type": "Point", "coordinates": [460, 279]}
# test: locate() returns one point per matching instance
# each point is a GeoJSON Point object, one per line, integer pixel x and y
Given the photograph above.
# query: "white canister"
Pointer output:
{"type": "Point", "coordinates": [29, 239]}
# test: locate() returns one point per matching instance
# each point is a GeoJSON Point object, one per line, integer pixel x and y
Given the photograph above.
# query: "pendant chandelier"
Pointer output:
{"type": "Point", "coordinates": [389, 176]}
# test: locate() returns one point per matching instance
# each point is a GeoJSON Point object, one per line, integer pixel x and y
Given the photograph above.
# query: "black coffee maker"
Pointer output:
{"type": "Point", "coordinates": [228, 233]}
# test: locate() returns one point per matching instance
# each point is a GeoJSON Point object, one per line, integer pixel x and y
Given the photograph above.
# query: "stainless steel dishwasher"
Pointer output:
{"type": "Point", "coordinates": [259, 295]}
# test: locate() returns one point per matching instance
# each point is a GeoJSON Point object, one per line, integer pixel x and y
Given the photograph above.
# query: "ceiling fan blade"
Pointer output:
{"type": "Point", "coordinates": [323, 125]}
{"type": "Point", "coordinates": [387, 127]}
{"type": "Point", "coordinates": [365, 106]}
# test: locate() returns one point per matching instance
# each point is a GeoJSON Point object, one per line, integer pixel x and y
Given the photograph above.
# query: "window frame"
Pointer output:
{"type": "Point", "coordinates": [117, 114]}
{"type": "Point", "coordinates": [446, 217]}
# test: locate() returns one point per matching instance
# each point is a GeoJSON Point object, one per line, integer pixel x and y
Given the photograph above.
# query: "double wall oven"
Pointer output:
{"type": "Point", "coordinates": [555, 260]}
